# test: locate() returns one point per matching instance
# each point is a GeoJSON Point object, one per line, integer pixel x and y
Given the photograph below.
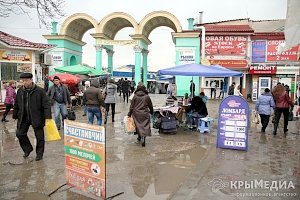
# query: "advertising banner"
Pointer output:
{"type": "Point", "coordinates": [16, 56]}
{"type": "Point", "coordinates": [233, 123]}
{"type": "Point", "coordinates": [85, 157]}
{"type": "Point", "coordinates": [226, 45]}
{"type": "Point", "coordinates": [186, 55]}
{"type": "Point", "coordinates": [230, 63]}
{"type": "Point", "coordinates": [259, 51]}
{"type": "Point", "coordinates": [273, 55]}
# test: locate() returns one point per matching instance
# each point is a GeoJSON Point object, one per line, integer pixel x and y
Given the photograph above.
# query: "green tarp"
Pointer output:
{"type": "Point", "coordinates": [80, 69]}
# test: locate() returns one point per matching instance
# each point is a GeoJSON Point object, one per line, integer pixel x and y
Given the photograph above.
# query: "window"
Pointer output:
{"type": "Point", "coordinates": [9, 72]}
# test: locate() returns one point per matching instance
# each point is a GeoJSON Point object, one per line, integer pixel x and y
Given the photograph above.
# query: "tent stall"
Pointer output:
{"type": "Point", "coordinates": [197, 70]}
{"type": "Point", "coordinates": [80, 69]}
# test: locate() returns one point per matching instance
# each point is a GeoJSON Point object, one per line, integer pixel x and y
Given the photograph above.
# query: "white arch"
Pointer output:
{"type": "Point", "coordinates": [114, 21]}
{"type": "Point", "coordinates": [172, 22]}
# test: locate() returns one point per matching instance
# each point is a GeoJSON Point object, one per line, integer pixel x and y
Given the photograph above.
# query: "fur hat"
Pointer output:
{"type": "Point", "coordinates": [26, 75]}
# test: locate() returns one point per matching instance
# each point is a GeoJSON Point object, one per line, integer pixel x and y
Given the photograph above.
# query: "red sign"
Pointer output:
{"type": "Point", "coordinates": [262, 69]}
{"type": "Point", "coordinates": [225, 45]}
{"type": "Point", "coordinates": [272, 55]}
{"type": "Point", "coordinates": [230, 63]}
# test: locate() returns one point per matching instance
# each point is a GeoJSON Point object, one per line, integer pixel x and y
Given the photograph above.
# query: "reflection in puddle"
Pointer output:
{"type": "Point", "coordinates": [160, 180]}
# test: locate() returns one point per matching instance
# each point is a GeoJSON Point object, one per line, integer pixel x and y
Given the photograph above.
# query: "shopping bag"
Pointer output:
{"type": "Point", "coordinates": [129, 125]}
{"type": "Point", "coordinates": [51, 130]}
{"type": "Point", "coordinates": [256, 117]}
{"type": "Point", "coordinates": [291, 116]}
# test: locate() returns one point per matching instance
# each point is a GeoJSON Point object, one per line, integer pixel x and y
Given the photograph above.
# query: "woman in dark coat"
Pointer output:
{"type": "Point", "coordinates": [140, 109]}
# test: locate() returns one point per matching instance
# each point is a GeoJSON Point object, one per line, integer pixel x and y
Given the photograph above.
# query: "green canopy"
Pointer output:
{"type": "Point", "coordinates": [80, 69]}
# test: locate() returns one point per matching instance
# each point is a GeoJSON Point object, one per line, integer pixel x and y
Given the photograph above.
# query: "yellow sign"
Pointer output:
{"type": "Point", "coordinates": [15, 56]}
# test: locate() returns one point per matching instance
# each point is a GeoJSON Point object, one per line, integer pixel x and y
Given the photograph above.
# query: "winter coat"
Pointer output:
{"type": "Point", "coordinates": [198, 106]}
{"type": "Point", "coordinates": [125, 86]}
{"type": "Point", "coordinates": [93, 97]}
{"type": "Point", "coordinates": [10, 95]}
{"type": "Point", "coordinates": [283, 100]}
{"type": "Point", "coordinates": [140, 109]}
{"type": "Point", "coordinates": [264, 104]}
{"type": "Point", "coordinates": [38, 106]}
{"type": "Point", "coordinates": [111, 92]}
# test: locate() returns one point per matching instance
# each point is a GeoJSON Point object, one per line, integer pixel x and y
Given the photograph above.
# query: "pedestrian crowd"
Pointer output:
{"type": "Point", "coordinates": [32, 105]}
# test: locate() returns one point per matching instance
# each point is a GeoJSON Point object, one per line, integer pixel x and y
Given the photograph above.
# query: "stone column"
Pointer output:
{"type": "Point", "coordinates": [137, 69]}
{"type": "Point", "coordinates": [99, 49]}
{"type": "Point", "coordinates": [145, 66]}
{"type": "Point", "coordinates": [110, 54]}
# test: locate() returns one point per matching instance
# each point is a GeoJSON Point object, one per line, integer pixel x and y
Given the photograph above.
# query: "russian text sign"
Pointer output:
{"type": "Point", "coordinates": [85, 157]}
{"type": "Point", "coordinates": [233, 123]}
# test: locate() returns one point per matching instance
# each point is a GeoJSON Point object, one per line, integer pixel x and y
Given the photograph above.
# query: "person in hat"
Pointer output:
{"type": "Point", "coordinates": [31, 107]}
{"type": "Point", "coordinates": [60, 98]}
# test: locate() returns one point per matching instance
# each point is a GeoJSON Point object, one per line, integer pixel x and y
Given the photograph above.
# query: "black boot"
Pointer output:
{"type": "Point", "coordinates": [138, 139]}
{"type": "Point", "coordinates": [143, 141]}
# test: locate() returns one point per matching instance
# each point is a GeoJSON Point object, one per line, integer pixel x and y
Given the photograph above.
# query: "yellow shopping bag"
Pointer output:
{"type": "Point", "coordinates": [51, 130]}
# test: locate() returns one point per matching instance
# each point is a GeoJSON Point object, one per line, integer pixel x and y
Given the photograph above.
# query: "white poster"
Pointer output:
{"type": "Point", "coordinates": [186, 55]}
{"type": "Point", "coordinates": [57, 59]}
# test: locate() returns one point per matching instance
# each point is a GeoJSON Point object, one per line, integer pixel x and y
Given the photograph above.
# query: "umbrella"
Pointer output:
{"type": "Point", "coordinates": [68, 79]}
{"type": "Point", "coordinates": [199, 70]}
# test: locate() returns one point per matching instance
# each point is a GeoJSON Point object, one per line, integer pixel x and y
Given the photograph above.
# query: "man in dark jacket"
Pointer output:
{"type": "Point", "coordinates": [125, 89]}
{"type": "Point", "coordinates": [32, 107]}
{"type": "Point", "coordinates": [60, 97]}
{"type": "Point", "coordinates": [93, 99]}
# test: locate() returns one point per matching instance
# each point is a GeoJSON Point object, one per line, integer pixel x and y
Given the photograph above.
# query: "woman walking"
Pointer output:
{"type": "Point", "coordinates": [110, 99]}
{"type": "Point", "coordinates": [263, 106]}
{"type": "Point", "coordinates": [237, 90]}
{"type": "Point", "coordinates": [282, 105]}
{"type": "Point", "coordinates": [9, 99]}
{"type": "Point", "coordinates": [140, 109]}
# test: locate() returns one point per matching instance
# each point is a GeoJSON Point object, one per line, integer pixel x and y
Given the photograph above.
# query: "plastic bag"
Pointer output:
{"type": "Point", "coordinates": [51, 130]}
{"type": "Point", "coordinates": [131, 96]}
{"type": "Point", "coordinates": [71, 114]}
{"type": "Point", "coordinates": [129, 125]}
{"type": "Point", "coordinates": [256, 117]}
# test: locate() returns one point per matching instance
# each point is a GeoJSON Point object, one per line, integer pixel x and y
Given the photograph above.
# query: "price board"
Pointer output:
{"type": "Point", "coordinates": [233, 123]}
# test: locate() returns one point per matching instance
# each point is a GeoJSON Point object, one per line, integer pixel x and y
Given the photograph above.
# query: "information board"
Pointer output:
{"type": "Point", "coordinates": [233, 123]}
{"type": "Point", "coordinates": [85, 157]}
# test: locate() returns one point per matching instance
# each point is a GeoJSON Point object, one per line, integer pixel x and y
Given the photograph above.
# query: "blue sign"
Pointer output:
{"type": "Point", "coordinates": [233, 123]}
{"type": "Point", "coordinates": [259, 51]}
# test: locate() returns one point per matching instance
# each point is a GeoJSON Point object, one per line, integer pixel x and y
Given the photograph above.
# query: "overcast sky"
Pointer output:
{"type": "Point", "coordinates": [162, 49]}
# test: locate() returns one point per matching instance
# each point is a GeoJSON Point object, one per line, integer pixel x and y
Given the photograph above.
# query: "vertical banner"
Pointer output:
{"type": "Point", "coordinates": [259, 51]}
{"type": "Point", "coordinates": [187, 55]}
{"type": "Point", "coordinates": [233, 123]}
{"type": "Point", "coordinates": [85, 157]}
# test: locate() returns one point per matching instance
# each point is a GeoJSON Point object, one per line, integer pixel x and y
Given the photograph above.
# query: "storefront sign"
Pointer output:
{"type": "Point", "coordinates": [262, 69]}
{"type": "Point", "coordinates": [186, 55]}
{"type": "Point", "coordinates": [230, 63]}
{"type": "Point", "coordinates": [233, 123]}
{"type": "Point", "coordinates": [117, 42]}
{"type": "Point", "coordinates": [273, 55]}
{"type": "Point", "coordinates": [15, 56]}
{"type": "Point", "coordinates": [85, 157]}
{"type": "Point", "coordinates": [225, 45]}
{"type": "Point", "coordinates": [57, 59]}
{"type": "Point", "coordinates": [24, 67]}
{"type": "Point", "coordinates": [259, 51]}
{"type": "Point", "coordinates": [285, 75]}
{"type": "Point", "coordinates": [288, 70]}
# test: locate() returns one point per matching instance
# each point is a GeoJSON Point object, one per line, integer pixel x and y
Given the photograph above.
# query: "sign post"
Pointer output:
{"type": "Point", "coordinates": [85, 157]}
{"type": "Point", "coordinates": [233, 123]}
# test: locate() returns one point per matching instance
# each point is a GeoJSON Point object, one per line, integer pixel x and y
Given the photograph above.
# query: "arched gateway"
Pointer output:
{"type": "Point", "coordinates": [69, 40]}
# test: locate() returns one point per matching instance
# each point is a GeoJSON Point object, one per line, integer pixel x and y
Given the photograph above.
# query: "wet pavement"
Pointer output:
{"type": "Point", "coordinates": [186, 165]}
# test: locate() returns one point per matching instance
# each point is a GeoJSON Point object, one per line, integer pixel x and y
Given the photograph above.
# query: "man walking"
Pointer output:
{"type": "Point", "coordinates": [125, 89]}
{"type": "Point", "coordinates": [60, 97]}
{"type": "Point", "coordinates": [93, 99]}
{"type": "Point", "coordinates": [32, 107]}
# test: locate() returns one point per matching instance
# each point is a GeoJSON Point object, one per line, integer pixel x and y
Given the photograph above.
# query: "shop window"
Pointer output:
{"type": "Point", "coordinates": [9, 72]}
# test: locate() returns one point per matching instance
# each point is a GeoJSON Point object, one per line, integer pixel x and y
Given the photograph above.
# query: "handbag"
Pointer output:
{"type": "Point", "coordinates": [52, 133]}
{"type": "Point", "coordinates": [291, 115]}
{"type": "Point", "coordinates": [71, 114]}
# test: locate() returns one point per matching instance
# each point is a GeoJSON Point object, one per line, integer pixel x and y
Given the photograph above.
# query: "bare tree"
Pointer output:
{"type": "Point", "coordinates": [45, 9]}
